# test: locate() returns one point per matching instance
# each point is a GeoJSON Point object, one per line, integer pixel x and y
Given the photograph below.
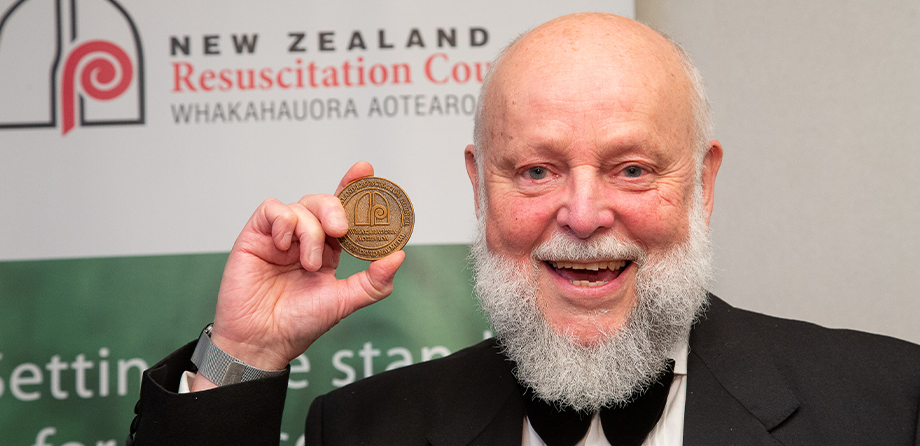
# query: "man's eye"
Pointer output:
{"type": "Point", "coordinates": [633, 171]}
{"type": "Point", "coordinates": [536, 173]}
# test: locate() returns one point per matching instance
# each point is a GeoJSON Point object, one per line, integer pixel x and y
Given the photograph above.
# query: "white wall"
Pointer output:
{"type": "Point", "coordinates": [817, 104]}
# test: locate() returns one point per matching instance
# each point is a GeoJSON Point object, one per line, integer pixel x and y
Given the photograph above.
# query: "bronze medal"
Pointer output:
{"type": "Point", "coordinates": [380, 218]}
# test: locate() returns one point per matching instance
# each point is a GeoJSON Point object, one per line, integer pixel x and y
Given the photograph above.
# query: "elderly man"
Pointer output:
{"type": "Point", "coordinates": [593, 171]}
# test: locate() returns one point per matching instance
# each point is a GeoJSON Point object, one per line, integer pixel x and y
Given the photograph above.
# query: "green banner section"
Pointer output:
{"type": "Point", "coordinates": [75, 335]}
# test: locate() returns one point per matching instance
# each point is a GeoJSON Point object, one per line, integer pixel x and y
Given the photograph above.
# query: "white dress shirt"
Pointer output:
{"type": "Point", "coordinates": [669, 431]}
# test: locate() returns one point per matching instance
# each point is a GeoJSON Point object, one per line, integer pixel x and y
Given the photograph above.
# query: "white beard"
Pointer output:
{"type": "Point", "coordinates": [670, 291]}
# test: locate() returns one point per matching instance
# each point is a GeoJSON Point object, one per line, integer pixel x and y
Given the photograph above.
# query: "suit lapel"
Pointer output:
{"type": "Point", "coordinates": [735, 393]}
{"type": "Point", "coordinates": [487, 405]}
{"type": "Point", "coordinates": [714, 416]}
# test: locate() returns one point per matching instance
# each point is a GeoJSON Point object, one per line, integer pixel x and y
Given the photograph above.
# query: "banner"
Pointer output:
{"type": "Point", "coordinates": [136, 138]}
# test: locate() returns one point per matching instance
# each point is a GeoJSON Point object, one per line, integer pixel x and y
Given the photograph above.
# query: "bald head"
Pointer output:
{"type": "Point", "coordinates": [579, 54]}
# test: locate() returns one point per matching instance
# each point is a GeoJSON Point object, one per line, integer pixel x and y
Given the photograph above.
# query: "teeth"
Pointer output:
{"type": "Point", "coordinates": [593, 266]}
{"type": "Point", "coordinates": [585, 283]}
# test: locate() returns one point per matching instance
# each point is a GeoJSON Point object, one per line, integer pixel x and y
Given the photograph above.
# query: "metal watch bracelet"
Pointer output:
{"type": "Point", "coordinates": [221, 368]}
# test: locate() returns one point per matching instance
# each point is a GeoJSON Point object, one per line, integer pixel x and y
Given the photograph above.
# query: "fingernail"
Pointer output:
{"type": "Point", "coordinates": [340, 223]}
{"type": "Point", "coordinates": [316, 257]}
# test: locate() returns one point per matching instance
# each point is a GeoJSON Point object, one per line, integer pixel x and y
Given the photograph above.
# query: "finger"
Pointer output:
{"type": "Point", "coordinates": [311, 236]}
{"type": "Point", "coordinates": [331, 253]}
{"type": "Point", "coordinates": [278, 220]}
{"type": "Point", "coordinates": [328, 210]}
{"type": "Point", "coordinates": [360, 169]}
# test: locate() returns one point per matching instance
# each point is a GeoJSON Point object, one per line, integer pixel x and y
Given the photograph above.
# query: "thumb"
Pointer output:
{"type": "Point", "coordinates": [376, 282]}
{"type": "Point", "coordinates": [380, 275]}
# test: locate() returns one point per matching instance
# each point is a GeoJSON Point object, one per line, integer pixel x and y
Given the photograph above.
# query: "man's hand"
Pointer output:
{"type": "Point", "coordinates": [279, 292]}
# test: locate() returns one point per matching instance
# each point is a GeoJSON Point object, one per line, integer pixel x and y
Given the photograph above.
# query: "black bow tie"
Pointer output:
{"type": "Point", "coordinates": [623, 426]}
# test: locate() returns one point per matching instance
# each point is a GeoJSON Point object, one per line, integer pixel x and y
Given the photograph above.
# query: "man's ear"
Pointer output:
{"type": "Point", "coordinates": [711, 164]}
{"type": "Point", "coordinates": [470, 155]}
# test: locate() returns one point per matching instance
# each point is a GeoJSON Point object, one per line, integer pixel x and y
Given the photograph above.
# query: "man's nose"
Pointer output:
{"type": "Point", "coordinates": [585, 209]}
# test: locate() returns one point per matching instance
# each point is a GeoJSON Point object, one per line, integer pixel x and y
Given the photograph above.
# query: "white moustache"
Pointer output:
{"type": "Point", "coordinates": [562, 247]}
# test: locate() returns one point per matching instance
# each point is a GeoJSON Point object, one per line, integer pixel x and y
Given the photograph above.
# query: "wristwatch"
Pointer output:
{"type": "Point", "coordinates": [221, 368]}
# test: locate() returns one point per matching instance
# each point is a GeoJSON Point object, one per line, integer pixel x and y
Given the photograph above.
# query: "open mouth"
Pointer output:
{"type": "Point", "coordinates": [589, 274]}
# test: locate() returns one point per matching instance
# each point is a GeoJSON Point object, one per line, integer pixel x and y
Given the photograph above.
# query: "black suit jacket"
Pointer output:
{"type": "Point", "coordinates": [752, 380]}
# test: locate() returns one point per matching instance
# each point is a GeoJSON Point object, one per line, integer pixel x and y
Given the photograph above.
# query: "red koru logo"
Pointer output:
{"type": "Point", "coordinates": [102, 81]}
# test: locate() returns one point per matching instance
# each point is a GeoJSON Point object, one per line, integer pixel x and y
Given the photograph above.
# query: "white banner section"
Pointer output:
{"type": "Point", "coordinates": [134, 128]}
